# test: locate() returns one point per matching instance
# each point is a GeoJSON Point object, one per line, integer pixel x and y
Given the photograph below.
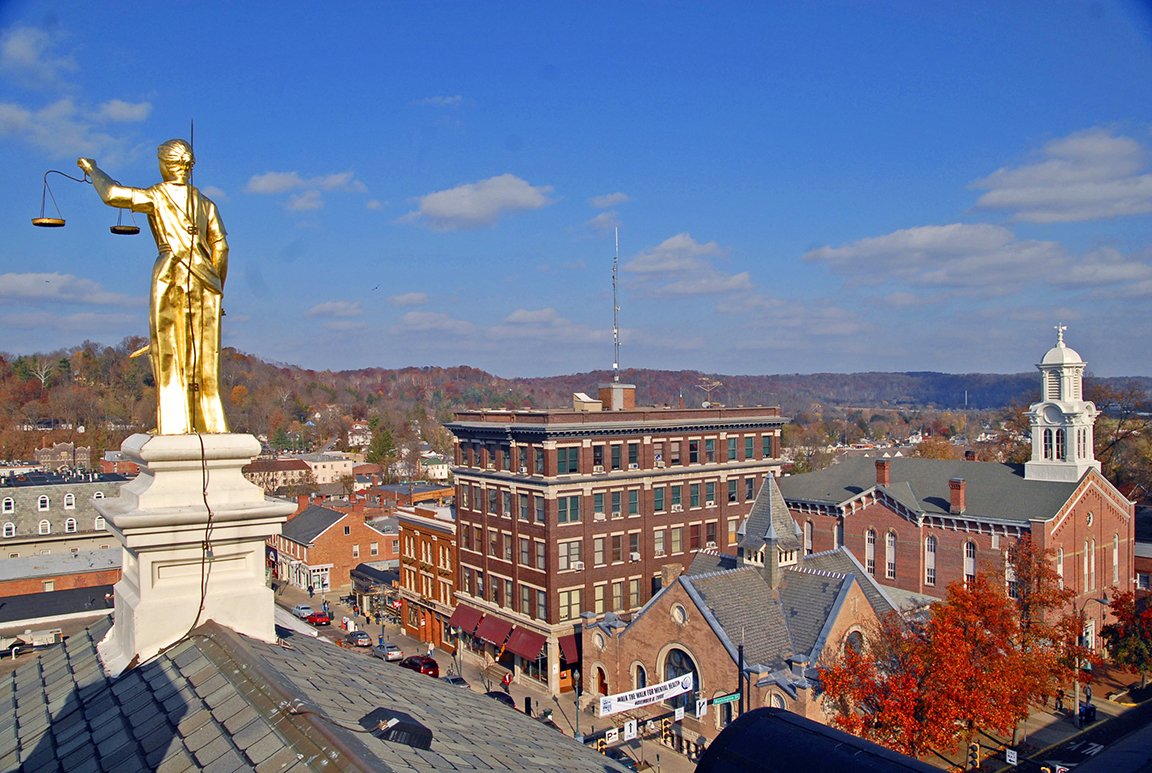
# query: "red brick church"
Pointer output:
{"type": "Point", "coordinates": [919, 524]}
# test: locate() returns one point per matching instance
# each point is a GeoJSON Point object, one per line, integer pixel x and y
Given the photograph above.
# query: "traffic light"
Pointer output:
{"type": "Point", "coordinates": [973, 756]}
{"type": "Point", "coordinates": [601, 745]}
{"type": "Point", "coordinates": [666, 730]}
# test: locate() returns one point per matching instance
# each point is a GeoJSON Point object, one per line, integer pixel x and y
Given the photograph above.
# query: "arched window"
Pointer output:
{"type": "Point", "coordinates": [677, 663]}
{"type": "Point", "coordinates": [640, 677]}
{"type": "Point", "coordinates": [778, 701]}
{"type": "Point", "coordinates": [1060, 567]}
{"type": "Point", "coordinates": [42, 503]}
{"type": "Point", "coordinates": [1060, 449]}
{"type": "Point", "coordinates": [98, 525]}
{"type": "Point", "coordinates": [969, 561]}
{"type": "Point", "coordinates": [601, 681]}
{"type": "Point", "coordinates": [870, 552]}
{"type": "Point", "coordinates": [1092, 567]}
{"type": "Point", "coordinates": [854, 642]}
{"type": "Point", "coordinates": [98, 495]}
{"type": "Point", "coordinates": [69, 501]}
{"type": "Point", "coordinates": [45, 527]}
{"type": "Point", "coordinates": [9, 505]}
{"type": "Point", "coordinates": [1047, 454]}
{"type": "Point", "coordinates": [807, 538]}
{"type": "Point", "coordinates": [1085, 583]}
{"type": "Point", "coordinates": [890, 555]}
{"type": "Point", "coordinates": [70, 526]}
{"type": "Point", "coordinates": [9, 529]}
{"type": "Point", "coordinates": [930, 560]}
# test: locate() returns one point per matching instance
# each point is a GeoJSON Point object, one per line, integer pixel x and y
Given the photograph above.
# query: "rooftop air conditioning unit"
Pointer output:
{"type": "Point", "coordinates": [660, 465]}
{"type": "Point", "coordinates": [599, 515]}
{"type": "Point", "coordinates": [677, 508]}
{"type": "Point", "coordinates": [710, 503]}
{"type": "Point", "coordinates": [633, 466]}
{"type": "Point", "coordinates": [490, 466]}
{"type": "Point", "coordinates": [710, 545]}
{"type": "Point", "coordinates": [523, 470]}
{"type": "Point", "coordinates": [578, 566]}
{"type": "Point", "coordinates": [597, 468]}
{"type": "Point", "coordinates": [634, 556]}
{"type": "Point", "coordinates": [659, 554]}
{"type": "Point", "coordinates": [615, 513]}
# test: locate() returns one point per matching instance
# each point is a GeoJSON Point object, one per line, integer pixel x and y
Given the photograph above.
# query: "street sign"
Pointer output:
{"type": "Point", "coordinates": [680, 714]}
{"type": "Point", "coordinates": [611, 735]}
{"type": "Point", "coordinates": [701, 707]}
{"type": "Point", "coordinates": [629, 730]}
{"type": "Point", "coordinates": [1010, 756]}
{"type": "Point", "coordinates": [725, 699]}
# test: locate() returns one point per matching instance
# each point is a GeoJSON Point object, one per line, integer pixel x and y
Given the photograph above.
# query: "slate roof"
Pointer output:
{"type": "Point", "coordinates": [777, 626]}
{"type": "Point", "coordinates": [769, 518]}
{"type": "Point", "coordinates": [705, 561]}
{"type": "Point", "coordinates": [993, 491]}
{"type": "Point", "coordinates": [33, 606]}
{"type": "Point", "coordinates": [221, 702]}
{"type": "Point", "coordinates": [310, 524]}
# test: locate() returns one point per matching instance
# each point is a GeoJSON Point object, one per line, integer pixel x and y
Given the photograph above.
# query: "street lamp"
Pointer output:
{"type": "Point", "coordinates": [457, 634]}
{"type": "Point", "coordinates": [576, 676]}
{"type": "Point", "coordinates": [1080, 642]}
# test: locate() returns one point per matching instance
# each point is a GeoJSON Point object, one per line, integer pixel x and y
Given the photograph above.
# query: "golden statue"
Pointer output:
{"type": "Point", "coordinates": [187, 289]}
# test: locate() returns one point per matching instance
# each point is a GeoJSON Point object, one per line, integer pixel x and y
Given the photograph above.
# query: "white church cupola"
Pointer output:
{"type": "Point", "coordinates": [1062, 422]}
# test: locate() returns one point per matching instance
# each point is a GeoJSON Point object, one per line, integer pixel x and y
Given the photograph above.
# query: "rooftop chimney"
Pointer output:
{"type": "Point", "coordinates": [957, 495]}
{"type": "Point", "coordinates": [618, 397]}
{"type": "Point", "coordinates": [883, 472]}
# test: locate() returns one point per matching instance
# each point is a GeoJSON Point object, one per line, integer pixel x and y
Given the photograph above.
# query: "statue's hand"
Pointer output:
{"type": "Point", "coordinates": [86, 164]}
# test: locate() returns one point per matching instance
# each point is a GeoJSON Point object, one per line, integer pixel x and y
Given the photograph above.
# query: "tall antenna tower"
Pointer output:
{"type": "Point", "coordinates": [615, 314]}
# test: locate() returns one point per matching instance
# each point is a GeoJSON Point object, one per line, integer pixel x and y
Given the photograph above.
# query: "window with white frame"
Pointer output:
{"type": "Point", "coordinates": [98, 524]}
{"type": "Point", "coordinates": [69, 501]}
{"type": "Point", "coordinates": [9, 529]}
{"type": "Point", "coordinates": [45, 527]}
{"type": "Point", "coordinates": [1060, 567]}
{"type": "Point", "coordinates": [9, 505]}
{"type": "Point", "coordinates": [870, 552]}
{"type": "Point", "coordinates": [930, 560]}
{"type": "Point", "coordinates": [969, 561]}
{"type": "Point", "coordinates": [43, 503]}
{"type": "Point", "coordinates": [98, 495]}
{"type": "Point", "coordinates": [1115, 559]}
{"type": "Point", "coordinates": [890, 555]}
{"type": "Point", "coordinates": [70, 526]}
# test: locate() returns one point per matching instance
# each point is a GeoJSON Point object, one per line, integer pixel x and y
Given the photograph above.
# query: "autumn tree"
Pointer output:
{"type": "Point", "coordinates": [1129, 639]}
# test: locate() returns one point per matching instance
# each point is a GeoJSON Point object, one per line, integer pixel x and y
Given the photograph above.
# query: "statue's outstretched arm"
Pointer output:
{"type": "Point", "coordinates": [111, 192]}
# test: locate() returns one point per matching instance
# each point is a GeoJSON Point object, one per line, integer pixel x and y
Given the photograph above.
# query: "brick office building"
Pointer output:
{"type": "Point", "coordinates": [319, 547]}
{"type": "Point", "coordinates": [561, 512]}
{"type": "Point", "coordinates": [428, 574]}
{"type": "Point", "coordinates": [919, 524]}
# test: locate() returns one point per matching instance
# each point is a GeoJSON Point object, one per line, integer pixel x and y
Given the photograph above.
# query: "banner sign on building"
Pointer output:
{"type": "Point", "coordinates": [610, 704]}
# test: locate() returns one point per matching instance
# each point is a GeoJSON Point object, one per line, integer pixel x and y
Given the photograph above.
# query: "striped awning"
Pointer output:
{"type": "Point", "coordinates": [525, 643]}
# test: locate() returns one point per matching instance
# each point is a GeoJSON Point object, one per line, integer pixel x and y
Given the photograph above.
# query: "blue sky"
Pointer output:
{"type": "Point", "coordinates": [800, 187]}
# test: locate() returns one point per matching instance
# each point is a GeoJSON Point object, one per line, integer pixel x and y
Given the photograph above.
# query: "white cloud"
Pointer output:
{"type": "Point", "coordinates": [408, 299]}
{"type": "Point", "coordinates": [680, 265]}
{"type": "Point", "coordinates": [605, 221]}
{"type": "Point", "coordinates": [976, 260]}
{"type": "Point", "coordinates": [478, 204]}
{"type": "Point", "coordinates": [305, 202]}
{"type": "Point", "coordinates": [374, 205]}
{"type": "Point", "coordinates": [59, 128]}
{"type": "Point", "coordinates": [26, 53]}
{"type": "Point", "coordinates": [307, 191]}
{"type": "Point", "coordinates": [608, 200]}
{"type": "Point", "coordinates": [63, 288]}
{"type": "Point", "coordinates": [119, 111]}
{"type": "Point", "coordinates": [454, 100]}
{"type": "Point", "coordinates": [1089, 175]}
{"type": "Point", "coordinates": [679, 253]}
{"type": "Point", "coordinates": [336, 309]}
{"type": "Point", "coordinates": [434, 322]}
{"type": "Point", "coordinates": [214, 193]}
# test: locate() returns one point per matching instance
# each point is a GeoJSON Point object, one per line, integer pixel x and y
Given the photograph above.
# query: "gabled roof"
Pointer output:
{"type": "Point", "coordinates": [220, 701]}
{"type": "Point", "coordinates": [740, 607]}
{"type": "Point", "coordinates": [992, 491]}
{"type": "Point", "coordinates": [310, 524]}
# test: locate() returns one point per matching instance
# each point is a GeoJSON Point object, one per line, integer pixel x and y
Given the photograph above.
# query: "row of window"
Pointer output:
{"type": "Point", "coordinates": [45, 527]}
{"type": "Point", "coordinates": [605, 457]}
{"type": "Point", "coordinates": [44, 502]}
{"type": "Point", "coordinates": [1054, 445]}
{"type": "Point", "coordinates": [618, 503]}
{"type": "Point", "coordinates": [533, 601]}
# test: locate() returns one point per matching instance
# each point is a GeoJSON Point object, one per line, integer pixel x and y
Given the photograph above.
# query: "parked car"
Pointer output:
{"type": "Point", "coordinates": [389, 652]}
{"type": "Point", "coordinates": [503, 697]}
{"type": "Point", "coordinates": [621, 756]}
{"type": "Point", "coordinates": [456, 680]}
{"type": "Point", "coordinates": [319, 618]}
{"type": "Point", "coordinates": [422, 663]}
{"type": "Point", "coordinates": [302, 611]}
{"type": "Point", "coordinates": [358, 639]}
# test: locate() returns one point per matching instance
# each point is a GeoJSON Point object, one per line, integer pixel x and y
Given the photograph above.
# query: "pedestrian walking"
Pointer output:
{"type": "Point", "coordinates": [431, 648]}
{"type": "Point", "coordinates": [311, 591]}
{"type": "Point", "coordinates": [505, 681]}
{"type": "Point", "coordinates": [1060, 699]}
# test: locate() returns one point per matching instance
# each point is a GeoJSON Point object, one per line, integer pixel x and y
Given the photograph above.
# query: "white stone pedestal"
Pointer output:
{"type": "Point", "coordinates": [176, 558]}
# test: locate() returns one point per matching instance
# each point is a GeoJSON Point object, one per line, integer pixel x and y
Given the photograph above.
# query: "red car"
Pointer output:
{"type": "Point", "coordinates": [319, 618]}
{"type": "Point", "coordinates": [423, 664]}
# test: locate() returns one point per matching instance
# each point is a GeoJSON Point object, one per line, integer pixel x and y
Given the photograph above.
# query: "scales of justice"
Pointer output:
{"type": "Point", "coordinates": [193, 529]}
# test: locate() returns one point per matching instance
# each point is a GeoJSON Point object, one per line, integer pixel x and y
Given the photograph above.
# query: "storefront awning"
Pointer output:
{"type": "Point", "coordinates": [465, 618]}
{"type": "Point", "coordinates": [568, 649]}
{"type": "Point", "coordinates": [493, 629]}
{"type": "Point", "coordinates": [525, 643]}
